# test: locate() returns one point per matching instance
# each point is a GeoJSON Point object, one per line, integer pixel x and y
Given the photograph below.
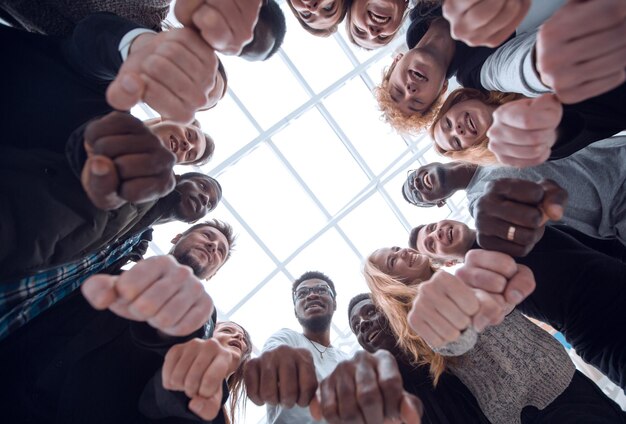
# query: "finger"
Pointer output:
{"type": "Point", "coordinates": [145, 164]}
{"type": "Point", "coordinates": [184, 10]}
{"type": "Point", "coordinates": [526, 145]}
{"type": "Point", "coordinates": [389, 381]}
{"type": "Point", "coordinates": [119, 145]}
{"type": "Point", "coordinates": [454, 289]}
{"type": "Point", "coordinates": [100, 181]}
{"type": "Point", "coordinates": [523, 163]}
{"type": "Point", "coordinates": [483, 279]}
{"type": "Point", "coordinates": [112, 124]}
{"type": "Point", "coordinates": [453, 9]}
{"type": "Point", "coordinates": [225, 32]}
{"type": "Point", "coordinates": [315, 408]}
{"type": "Point", "coordinates": [307, 380]}
{"type": "Point", "coordinates": [496, 262]}
{"type": "Point", "coordinates": [520, 286]}
{"type": "Point", "coordinates": [591, 89]}
{"type": "Point", "coordinates": [504, 246]}
{"type": "Point", "coordinates": [554, 200]}
{"type": "Point", "coordinates": [169, 365]}
{"type": "Point", "coordinates": [495, 215]}
{"type": "Point", "coordinates": [439, 323]}
{"type": "Point", "coordinates": [328, 401]}
{"type": "Point", "coordinates": [345, 392]}
{"type": "Point", "coordinates": [148, 303]}
{"type": "Point", "coordinates": [141, 276]}
{"type": "Point", "coordinates": [252, 380]}
{"type": "Point", "coordinates": [453, 314]}
{"type": "Point", "coordinates": [126, 90]}
{"type": "Point", "coordinates": [579, 19]}
{"type": "Point", "coordinates": [167, 103]}
{"type": "Point", "coordinates": [508, 18]}
{"type": "Point", "coordinates": [146, 189]}
{"type": "Point", "coordinates": [195, 318]}
{"type": "Point", "coordinates": [188, 353]}
{"type": "Point", "coordinates": [174, 309]}
{"type": "Point", "coordinates": [491, 310]}
{"type": "Point", "coordinates": [371, 402]}
{"type": "Point", "coordinates": [514, 189]}
{"type": "Point", "coordinates": [411, 409]}
{"type": "Point", "coordinates": [423, 329]}
{"type": "Point", "coordinates": [543, 112]}
{"type": "Point", "coordinates": [99, 290]}
{"type": "Point", "coordinates": [215, 374]}
{"type": "Point", "coordinates": [287, 384]}
{"type": "Point", "coordinates": [268, 390]}
{"type": "Point", "coordinates": [506, 230]}
{"type": "Point", "coordinates": [206, 409]}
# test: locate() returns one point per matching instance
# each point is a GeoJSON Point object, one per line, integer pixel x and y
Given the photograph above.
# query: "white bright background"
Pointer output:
{"type": "Point", "coordinates": [311, 178]}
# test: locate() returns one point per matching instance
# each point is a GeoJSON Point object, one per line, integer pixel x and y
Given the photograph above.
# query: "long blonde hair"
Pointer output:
{"type": "Point", "coordinates": [479, 153]}
{"type": "Point", "coordinates": [394, 299]}
{"type": "Point", "coordinates": [236, 384]}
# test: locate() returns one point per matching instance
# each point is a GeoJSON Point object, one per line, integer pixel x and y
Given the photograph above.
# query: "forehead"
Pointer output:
{"type": "Point", "coordinates": [229, 325]}
{"type": "Point", "coordinates": [356, 309]}
{"type": "Point", "coordinates": [314, 282]}
{"type": "Point", "coordinates": [379, 257]}
{"type": "Point", "coordinates": [212, 233]}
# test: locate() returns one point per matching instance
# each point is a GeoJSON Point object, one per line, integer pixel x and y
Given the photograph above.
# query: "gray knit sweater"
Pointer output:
{"type": "Point", "coordinates": [58, 17]}
{"type": "Point", "coordinates": [510, 366]}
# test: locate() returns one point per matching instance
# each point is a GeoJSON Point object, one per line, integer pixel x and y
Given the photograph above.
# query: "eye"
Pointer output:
{"type": "Point", "coordinates": [188, 134]}
{"type": "Point", "coordinates": [370, 312]}
{"type": "Point", "coordinates": [431, 245]}
{"type": "Point", "coordinates": [448, 123]}
{"type": "Point", "coordinates": [203, 186]}
{"type": "Point", "coordinates": [358, 30]}
{"type": "Point", "coordinates": [330, 7]}
{"type": "Point", "coordinates": [188, 156]}
{"type": "Point", "coordinates": [456, 143]}
{"type": "Point", "coordinates": [392, 262]}
{"type": "Point", "coordinates": [383, 37]}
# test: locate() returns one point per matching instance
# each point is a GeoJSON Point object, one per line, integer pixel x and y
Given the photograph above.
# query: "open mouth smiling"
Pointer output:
{"type": "Point", "coordinates": [378, 19]}
{"type": "Point", "coordinates": [469, 124]}
{"type": "Point", "coordinates": [313, 304]}
{"type": "Point", "coordinates": [173, 144]}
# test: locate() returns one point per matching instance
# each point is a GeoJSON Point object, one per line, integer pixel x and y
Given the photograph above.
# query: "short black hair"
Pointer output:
{"type": "Point", "coordinates": [413, 236]}
{"type": "Point", "coordinates": [272, 14]}
{"type": "Point", "coordinates": [222, 227]}
{"type": "Point", "coordinates": [356, 299]}
{"type": "Point", "coordinates": [190, 175]}
{"type": "Point", "coordinates": [311, 275]}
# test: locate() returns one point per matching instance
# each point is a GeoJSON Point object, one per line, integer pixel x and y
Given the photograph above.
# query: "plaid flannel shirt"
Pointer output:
{"type": "Point", "coordinates": [23, 300]}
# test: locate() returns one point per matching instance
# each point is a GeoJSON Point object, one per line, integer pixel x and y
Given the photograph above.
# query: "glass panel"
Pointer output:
{"type": "Point", "coordinates": [321, 159]}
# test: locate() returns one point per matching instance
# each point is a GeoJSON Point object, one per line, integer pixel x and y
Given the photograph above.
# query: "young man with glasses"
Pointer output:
{"type": "Point", "coordinates": [285, 376]}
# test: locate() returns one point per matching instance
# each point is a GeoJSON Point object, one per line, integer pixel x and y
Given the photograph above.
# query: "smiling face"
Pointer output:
{"type": "Point", "coordinates": [204, 250]}
{"type": "Point", "coordinates": [430, 181]}
{"type": "Point", "coordinates": [314, 307]}
{"type": "Point", "coordinates": [417, 80]}
{"type": "Point", "coordinates": [373, 23]}
{"type": "Point", "coordinates": [371, 328]}
{"type": "Point", "coordinates": [318, 14]}
{"type": "Point", "coordinates": [233, 338]}
{"type": "Point", "coordinates": [445, 239]}
{"type": "Point", "coordinates": [198, 196]}
{"type": "Point", "coordinates": [464, 125]}
{"type": "Point", "coordinates": [187, 142]}
{"type": "Point", "coordinates": [406, 264]}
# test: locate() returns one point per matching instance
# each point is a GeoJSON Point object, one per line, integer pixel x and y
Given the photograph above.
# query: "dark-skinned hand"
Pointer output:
{"type": "Point", "coordinates": [126, 162]}
{"type": "Point", "coordinates": [512, 213]}
{"type": "Point", "coordinates": [366, 389]}
{"type": "Point", "coordinates": [227, 26]}
{"type": "Point", "coordinates": [282, 376]}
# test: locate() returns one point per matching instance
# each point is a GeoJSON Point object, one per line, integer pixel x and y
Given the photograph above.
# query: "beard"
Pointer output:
{"type": "Point", "coordinates": [191, 262]}
{"type": "Point", "coordinates": [316, 324]}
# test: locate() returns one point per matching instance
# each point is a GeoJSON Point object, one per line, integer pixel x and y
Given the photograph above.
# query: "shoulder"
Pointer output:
{"type": "Point", "coordinates": [281, 337]}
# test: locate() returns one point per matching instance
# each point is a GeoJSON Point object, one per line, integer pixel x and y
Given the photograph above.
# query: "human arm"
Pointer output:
{"type": "Point", "coordinates": [484, 22]}
{"type": "Point", "coordinates": [366, 389]}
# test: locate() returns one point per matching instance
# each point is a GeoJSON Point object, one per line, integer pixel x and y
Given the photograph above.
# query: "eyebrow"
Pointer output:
{"type": "Point", "coordinates": [394, 90]}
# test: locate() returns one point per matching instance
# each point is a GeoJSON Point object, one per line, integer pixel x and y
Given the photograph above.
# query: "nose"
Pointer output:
{"type": "Point", "coordinates": [204, 199]}
{"type": "Point", "coordinates": [374, 30]}
{"type": "Point", "coordinates": [411, 87]}
{"type": "Point", "coordinates": [184, 145]}
{"type": "Point", "coordinates": [440, 233]}
{"type": "Point", "coordinates": [460, 128]}
{"type": "Point", "coordinates": [210, 246]}
{"type": "Point", "coordinates": [311, 5]}
{"type": "Point", "coordinates": [365, 326]}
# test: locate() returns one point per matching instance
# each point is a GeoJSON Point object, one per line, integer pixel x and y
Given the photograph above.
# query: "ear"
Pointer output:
{"type": "Point", "coordinates": [176, 238]}
{"type": "Point", "coordinates": [441, 203]}
{"type": "Point", "coordinates": [397, 58]}
{"type": "Point", "coordinates": [444, 88]}
{"type": "Point", "coordinates": [334, 305]}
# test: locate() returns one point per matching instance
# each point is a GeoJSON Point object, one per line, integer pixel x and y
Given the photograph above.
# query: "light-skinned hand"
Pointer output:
{"type": "Point", "coordinates": [484, 22]}
{"type": "Point", "coordinates": [172, 71]}
{"type": "Point", "coordinates": [581, 49]}
{"type": "Point", "coordinates": [523, 131]}
{"type": "Point", "coordinates": [157, 290]}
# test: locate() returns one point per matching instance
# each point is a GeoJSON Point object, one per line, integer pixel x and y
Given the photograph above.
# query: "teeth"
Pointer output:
{"type": "Point", "coordinates": [427, 182]}
{"type": "Point", "coordinates": [450, 234]}
{"type": "Point", "coordinates": [381, 20]}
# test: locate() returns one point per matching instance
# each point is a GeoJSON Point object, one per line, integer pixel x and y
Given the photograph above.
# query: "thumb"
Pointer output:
{"type": "Point", "coordinates": [99, 290]}
{"type": "Point", "coordinates": [206, 408]}
{"type": "Point", "coordinates": [100, 182]}
{"type": "Point", "coordinates": [315, 408]}
{"type": "Point", "coordinates": [549, 108]}
{"type": "Point", "coordinates": [554, 200]}
{"type": "Point", "coordinates": [125, 91]}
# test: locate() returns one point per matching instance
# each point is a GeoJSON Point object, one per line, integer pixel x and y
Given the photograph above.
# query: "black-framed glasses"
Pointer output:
{"type": "Point", "coordinates": [320, 290]}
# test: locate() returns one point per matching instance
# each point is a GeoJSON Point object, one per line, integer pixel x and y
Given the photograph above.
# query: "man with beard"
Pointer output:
{"type": "Point", "coordinates": [286, 375]}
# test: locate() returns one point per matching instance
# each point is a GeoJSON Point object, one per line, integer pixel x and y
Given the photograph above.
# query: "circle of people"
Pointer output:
{"type": "Point", "coordinates": [532, 134]}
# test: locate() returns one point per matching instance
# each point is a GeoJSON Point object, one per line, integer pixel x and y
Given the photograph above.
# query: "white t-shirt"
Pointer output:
{"type": "Point", "coordinates": [323, 367]}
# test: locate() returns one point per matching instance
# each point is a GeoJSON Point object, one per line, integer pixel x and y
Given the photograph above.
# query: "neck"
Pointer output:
{"type": "Point", "coordinates": [438, 41]}
{"type": "Point", "coordinates": [322, 338]}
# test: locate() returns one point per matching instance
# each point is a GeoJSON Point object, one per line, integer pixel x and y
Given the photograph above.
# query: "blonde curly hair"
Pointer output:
{"type": "Point", "coordinates": [479, 153]}
{"type": "Point", "coordinates": [411, 124]}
